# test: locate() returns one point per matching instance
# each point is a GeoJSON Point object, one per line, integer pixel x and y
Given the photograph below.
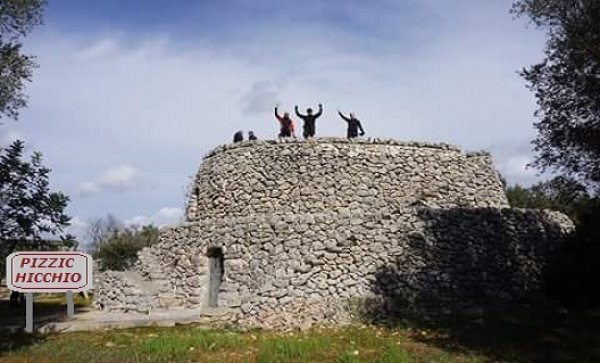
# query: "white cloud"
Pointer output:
{"type": "Point", "coordinates": [122, 176]}
{"type": "Point", "coordinates": [518, 165]}
{"type": "Point", "coordinates": [138, 221]}
{"type": "Point", "coordinates": [166, 216]}
{"type": "Point", "coordinates": [262, 96]}
{"type": "Point", "coordinates": [103, 48]}
{"type": "Point", "coordinates": [161, 102]}
{"type": "Point", "coordinates": [118, 178]}
{"type": "Point", "coordinates": [515, 168]}
{"type": "Point", "coordinates": [88, 188]}
{"type": "Point", "coordinates": [171, 213]}
{"type": "Point", "coordinates": [512, 159]}
{"type": "Point", "coordinates": [78, 228]}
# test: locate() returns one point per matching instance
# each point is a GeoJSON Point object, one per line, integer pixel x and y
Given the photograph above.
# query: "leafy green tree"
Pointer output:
{"type": "Point", "coordinates": [118, 252]}
{"type": "Point", "coordinates": [102, 229]}
{"type": "Point", "coordinates": [560, 193]}
{"type": "Point", "coordinates": [29, 212]}
{"type": "Point", "coordinates": [567, 86]}
{"type": "Point", "coordinates": [17, 19]}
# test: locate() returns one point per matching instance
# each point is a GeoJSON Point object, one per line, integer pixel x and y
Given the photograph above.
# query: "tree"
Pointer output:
{"type": "Point", "coordinates": [119, 251]}
{"type": "Point", "coordinates": [102, 229]}
{"type": "Point", "coordinates": [567, 86]}
{"type": "Point", "coordinates": [29, 212]}
{"type": "Point", "coordinates": [17, 19]}
{"type": "Point", "coordinates": [560, 193]}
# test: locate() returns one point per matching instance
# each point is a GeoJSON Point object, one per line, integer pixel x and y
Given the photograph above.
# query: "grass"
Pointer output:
{"type": "Point", "coordinates": [195, 344]}
{"type": "Point", "coordinates": [531, 335]}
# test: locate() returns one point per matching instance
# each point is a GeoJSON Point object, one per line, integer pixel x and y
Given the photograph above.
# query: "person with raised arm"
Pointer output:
{"type": "Point", "coordinates": [354, 125]}
{"type": "Point", "coordinates": [308, 127]}
{"type": "Point", "coordinates": [287, 125]}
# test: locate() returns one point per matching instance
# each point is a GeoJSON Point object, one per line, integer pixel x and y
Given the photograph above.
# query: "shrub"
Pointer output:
{"type": "Point", "coordinates": [118, 252]}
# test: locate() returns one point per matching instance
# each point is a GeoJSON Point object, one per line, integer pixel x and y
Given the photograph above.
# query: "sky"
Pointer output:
{"type": "Point", "coordinates": [130, 95]}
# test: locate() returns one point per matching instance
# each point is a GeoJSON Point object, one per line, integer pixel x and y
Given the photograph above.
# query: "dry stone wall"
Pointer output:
{"type": "Point", "coordinates": [308, 227]}
{"type": "Point", "coordinates": [333, 175]}
{"type": "Point", "coordinates": [429, 257]}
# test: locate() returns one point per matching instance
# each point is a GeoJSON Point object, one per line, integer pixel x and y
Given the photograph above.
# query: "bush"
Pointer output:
{"type": "Point", "coordinates": [118, 252]}
{"type": "Point", "coordinates": [573, 275]}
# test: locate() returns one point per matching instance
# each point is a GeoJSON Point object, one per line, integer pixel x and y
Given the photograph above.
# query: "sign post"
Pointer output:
{"type": "Point", "coordinates": [29, 312]}
{"type": "Point", "coordinates": [29, 272]}
{"type": "Point", "coordinates": [70, 304]}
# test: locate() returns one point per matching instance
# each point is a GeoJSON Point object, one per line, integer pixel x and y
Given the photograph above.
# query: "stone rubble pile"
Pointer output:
{"type": "Point", "coordinates": [120, 289]}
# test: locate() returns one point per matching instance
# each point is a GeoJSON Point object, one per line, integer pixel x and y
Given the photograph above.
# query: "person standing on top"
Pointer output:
{"type": "Point", "coordinates": [308, 128]}
{"type": "Point", "coordinates": [287, 125]}
{"type": "Point", "coordinates": [238, 136]}
{"type": "Point", "coordinates": [353, 125]}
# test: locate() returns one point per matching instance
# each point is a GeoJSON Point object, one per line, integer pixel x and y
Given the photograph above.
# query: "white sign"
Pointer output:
{"type": "Point", "coordinates": [49, 271]}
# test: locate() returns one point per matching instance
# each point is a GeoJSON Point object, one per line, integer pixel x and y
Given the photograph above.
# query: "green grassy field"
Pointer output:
{"type": "Point", "coordinates": [534, 335]}
{"type": "Point", "coordinates": [182, 344]}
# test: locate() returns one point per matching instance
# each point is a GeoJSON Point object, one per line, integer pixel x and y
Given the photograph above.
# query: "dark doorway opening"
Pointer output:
{"type": "Point", "coordinates": [216, 270]}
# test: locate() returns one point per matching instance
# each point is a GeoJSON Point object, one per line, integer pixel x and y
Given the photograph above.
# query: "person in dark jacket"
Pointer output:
{"type": "Point", "coordinates": [287, 125]}
{"type": "Point", "coordinates": [353, 125]}
{"type": "Point", "coordinates": [308, 128]}
{"type": "Point", "coordinates": [238, 136]}
{"type": "Point", "coordinates": [251, 136]}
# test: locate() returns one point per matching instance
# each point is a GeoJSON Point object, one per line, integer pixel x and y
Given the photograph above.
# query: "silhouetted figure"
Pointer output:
{"type": "Point", "coordinates": [287, 125]}
{"type": "Point", "coordinates": [308, 128]}
{"type": "Point", "coordinates": [251, 136]}
{"type": "Point", "coordinates": [353, 125]}
{"type": "Point", "coordinates": [238, 136]}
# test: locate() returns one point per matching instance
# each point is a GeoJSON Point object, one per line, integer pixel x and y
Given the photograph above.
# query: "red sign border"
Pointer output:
{"type": "Point", "coordinates": [87, 269]}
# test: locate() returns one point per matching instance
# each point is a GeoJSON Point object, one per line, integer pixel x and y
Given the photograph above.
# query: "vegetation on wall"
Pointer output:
{"type": "Point", "coordinates": [560, 193]}
{"type": "Point", "coordinates": [116, 247]}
